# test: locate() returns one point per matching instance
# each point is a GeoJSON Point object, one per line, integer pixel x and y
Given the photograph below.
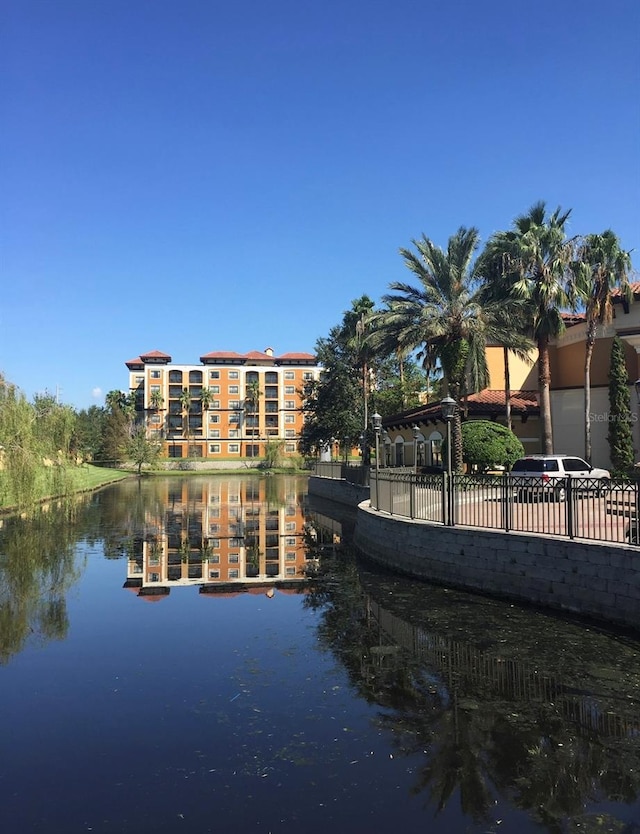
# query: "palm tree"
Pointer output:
{"type": "Point", "coordinates": [510, 315]}
{"type": "Point", "coordinates": [356, 324]}
{"type": "Point", "coordinates": [602, 266]}
{"type": "Point", "coordinates": [206, 398]}
{"type": "Point", "coordinates": [156, 400]}
{"type": "Point", "coordinates": [185, 403]}
{"type": "Point", "coordinates": [443, 317]}
{"type": "Point", "coordinates": [535, 257]}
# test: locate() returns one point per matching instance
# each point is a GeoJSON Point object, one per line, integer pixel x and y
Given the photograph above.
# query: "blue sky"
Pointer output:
{"type": "Point", "coordinates": [198, 176]}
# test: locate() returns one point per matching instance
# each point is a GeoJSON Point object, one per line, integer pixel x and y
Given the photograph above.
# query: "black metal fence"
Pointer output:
{"type": "Point", "coordinates": [353, 473]}
{"type": "Point", "coordinates": [578, 508]}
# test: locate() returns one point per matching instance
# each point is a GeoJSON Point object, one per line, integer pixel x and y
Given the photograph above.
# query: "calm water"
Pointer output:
{"type": "Point", "coordinates": [205, 655]}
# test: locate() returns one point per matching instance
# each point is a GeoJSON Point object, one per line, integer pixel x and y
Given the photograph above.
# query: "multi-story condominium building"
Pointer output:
{"type": "Point", "coordinates": [228, 407]}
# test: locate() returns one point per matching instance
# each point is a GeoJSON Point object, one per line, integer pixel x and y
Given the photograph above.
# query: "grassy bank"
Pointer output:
{"type": "Point", "coordinates": [55, 482]}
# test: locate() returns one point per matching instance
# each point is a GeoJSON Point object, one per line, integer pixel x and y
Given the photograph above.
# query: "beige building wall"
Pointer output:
{"type": "Point", "coordinates": [523, 375]}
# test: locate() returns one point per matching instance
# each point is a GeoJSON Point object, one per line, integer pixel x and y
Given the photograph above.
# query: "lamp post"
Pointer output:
{"type": "Point", "coordinates": [448, 406]}
{"type": "Point", "coordinates": [416, 435]}
{"type": "Point", "coordinates": [377, 427]}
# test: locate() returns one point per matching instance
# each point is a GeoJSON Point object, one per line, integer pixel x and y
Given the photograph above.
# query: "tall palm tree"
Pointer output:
{"type": "Point", "coordinates": [535, 257]}
{"type": "Point", "coordinates": [357, 322]}
{"type": "Point", "coordinates": [185, 404]}
{"type": "Point", "coordinates": [602, 266]}
{"type": "Point", "coordinates": [510, 315]}
{"type": "Point", "coordinates": [443, 317]}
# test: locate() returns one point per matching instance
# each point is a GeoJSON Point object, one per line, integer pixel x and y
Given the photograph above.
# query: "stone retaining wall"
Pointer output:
{"type": "Point", "coordinates": [592, 579]}
{"type": "Point", "coordinates": [595, 580]}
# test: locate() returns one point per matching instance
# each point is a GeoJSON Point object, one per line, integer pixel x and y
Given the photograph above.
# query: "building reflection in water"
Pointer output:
{"type": "Point", "coordinates": [223, 534]}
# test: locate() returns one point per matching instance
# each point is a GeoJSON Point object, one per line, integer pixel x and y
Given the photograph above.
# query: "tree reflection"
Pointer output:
{"type": "Point", "coordinates": [493, 721]}
{"type": "Point", "coordinates": [37, 567]}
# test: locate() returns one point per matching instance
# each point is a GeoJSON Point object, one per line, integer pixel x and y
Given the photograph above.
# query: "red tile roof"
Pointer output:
{"type": "Point", "coordinates": [155, 354]}
{"type": "Point", "coordinates": [487, 403]}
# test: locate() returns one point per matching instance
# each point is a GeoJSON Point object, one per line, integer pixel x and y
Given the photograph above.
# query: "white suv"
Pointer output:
{"type": "Point", "coordinates": [550, 473]}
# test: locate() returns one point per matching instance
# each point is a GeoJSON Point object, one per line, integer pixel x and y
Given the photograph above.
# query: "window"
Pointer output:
{"type": "Point", "coordinates": [215, 403]}
{"type": "Point", "coordinates": [214, 574]}
{"type": "Point", "coordinates": [290, 447]}
{"type": "Point", "coordinates": [289, 418]}
{"type": "Point", "coordinates": [289, 404]}
{"type": "Point", "coordinates": [307, 375]}
{"type": "Point", "coordinates": [234, 375]}
{"type": "Point", "coordinates": [289, 375]}
{"type": "Point", "coordinates": [289, 389]}
{"type": "Point", "coordinates": [139, 380]}
{"type": "Point", "coordinates": [234, 573]}
{"type": "Point", "coordinates": [252, 376]}
{"type": "Point", "coordinates": [290, 433]}
{"type": "Point", "coordinates": [154, 577]}
{"type": "Point", "coordinates": [234, 448]}
{"type": "Point", "coordinates": [233, 432]}
{"type": "Point", "coordinates": [234, 389]}
{"type": "Point", "coordinates": [215, 432]}
{"type": "Point", "coordinates": [155, 374]}
{"type": "Point", "coordinates": [214, 374]}
{"type": "Point", "coordinates": [234, 418]}
{"type": "Point", "coordinates": [290, 541]}
{"type": "Point", "coordinates": [154, 389]}
{"type": "Point", "coordinates": [215, 543]}
{"type": "Point", "coordinates": [214, 418]}
{"type": "Point", "coordinates": [271, 392]}
{"type": "Point", "coordinates": [214, 448]}
{"type": "Point", "coordinates": [214, 558]}
{"type": "Point", "coordinates": [290, 556]}
{"type": "Point", "coordinates": [156, 418]}
{"type": "Point", "coordinates": [234, 403]}
{"type": "Point", "coordinates": [234, 558]}
{"type": "Point", "coordinates": [215, 389]}
{"type": "Point", "coordinates": [271, 377]}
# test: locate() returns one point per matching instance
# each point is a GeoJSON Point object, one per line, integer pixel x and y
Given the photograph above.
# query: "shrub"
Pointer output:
{"type": "Point", "coordinates": [486, 444]}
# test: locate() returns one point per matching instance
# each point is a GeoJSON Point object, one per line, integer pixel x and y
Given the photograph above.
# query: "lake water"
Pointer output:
{"type": "Point", "coordinates": [193, 654]}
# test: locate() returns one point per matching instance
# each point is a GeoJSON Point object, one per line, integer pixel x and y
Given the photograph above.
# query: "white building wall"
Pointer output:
{"type": "Point", "coordinates": [567, 408]}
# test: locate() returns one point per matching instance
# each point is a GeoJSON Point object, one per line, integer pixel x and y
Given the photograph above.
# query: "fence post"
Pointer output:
{"type": "Point", "coordinates": [569, 507]}
{"type": "Point", "coordinates": [507, 501]}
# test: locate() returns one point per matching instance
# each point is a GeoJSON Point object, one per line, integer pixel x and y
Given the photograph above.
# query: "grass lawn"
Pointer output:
{"type": "Point", "coordinates": [77, 478]}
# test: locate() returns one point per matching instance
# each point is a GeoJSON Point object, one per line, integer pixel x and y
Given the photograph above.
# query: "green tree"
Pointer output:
{"type": "Point", "coordinates": [601, 266]}
{"type": "Point", "coordinates": [20, 449]}
{"type": "Point", "coordinates": [535, 257]}
{"type": "Point", "coordinates": [185, 404]}
{"type": "Point", "coordinates": [487, 444]}
{"type": "Point", "coordinates": [141, 450]}
{"type": "Point", "coordinates": [333, 404]}
{"type": "Point", "coordinates": [443, 317]}
{"type": "Point", "coordinates": [355, 325]}
{"type": "Point", "coordinates": [619, 436]}
{"type": "Point", "coordinates": [89, 432]}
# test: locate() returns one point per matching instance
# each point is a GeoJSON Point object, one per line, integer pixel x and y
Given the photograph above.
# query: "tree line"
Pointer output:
{"type": "Point", "coordinates": [513, 293]}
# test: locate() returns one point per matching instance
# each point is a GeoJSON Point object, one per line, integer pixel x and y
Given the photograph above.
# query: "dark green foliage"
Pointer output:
{"type": "Point", "coordinates": [486, 444]}
{"type": "Point", "coordinates": [620, 436]}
